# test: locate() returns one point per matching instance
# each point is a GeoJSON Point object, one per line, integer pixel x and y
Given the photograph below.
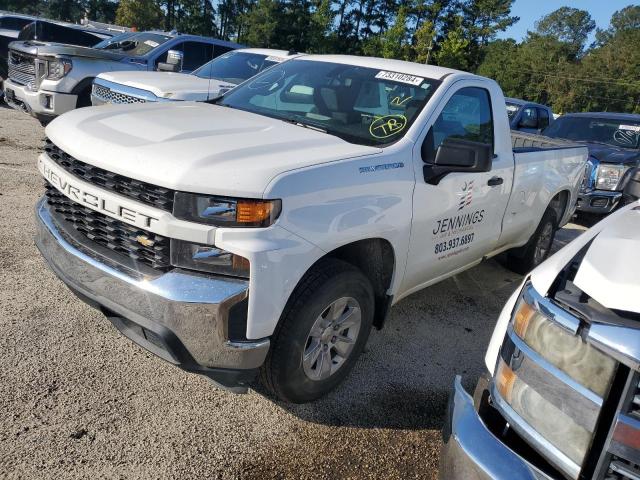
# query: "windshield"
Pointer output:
{"type": "Point", "coordinates": [512, 110]}
{"type": "Point", "coordinates": [614, 132]}
{"type": "Point", "coordinates": [236, 67]}
{"type": "Point", "coordinates": [361, 105]}
{"type": "Point", "coordinates": [134, 44]}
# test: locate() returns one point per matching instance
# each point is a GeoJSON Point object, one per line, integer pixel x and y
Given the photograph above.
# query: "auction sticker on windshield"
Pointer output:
{"type": "Point", "coordinates": [151, 43]}
{"type": "Point", "coordinates": [633, 128]}
{"type": "Point", "coordinates": [272, 58]}
{"type": "Point", "coordinates": [400, 77]}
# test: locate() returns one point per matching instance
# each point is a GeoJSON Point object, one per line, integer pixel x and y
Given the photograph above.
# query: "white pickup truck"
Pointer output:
{"type": "Point", "coordinates": [269, 232]}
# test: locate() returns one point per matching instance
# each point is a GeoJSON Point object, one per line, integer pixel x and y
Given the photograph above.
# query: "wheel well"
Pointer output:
{"type": "Point", "coordinates": [559, 204]}
{"type": "Point", "coordinates": [83, 87]}
{"type": "Point", "coordinates": [375, 258]}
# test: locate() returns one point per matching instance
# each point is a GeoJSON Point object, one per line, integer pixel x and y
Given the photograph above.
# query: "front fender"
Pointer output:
{"type": "Point", "coordinates": [338, 203]}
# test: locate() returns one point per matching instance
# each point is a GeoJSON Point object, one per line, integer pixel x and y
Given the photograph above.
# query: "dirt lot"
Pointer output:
{"type": "Point", "coordinates": [78, 400]}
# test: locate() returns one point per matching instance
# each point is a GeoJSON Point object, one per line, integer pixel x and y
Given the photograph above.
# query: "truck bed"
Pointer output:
{"type": "Point", "coordinates": [531, 142]}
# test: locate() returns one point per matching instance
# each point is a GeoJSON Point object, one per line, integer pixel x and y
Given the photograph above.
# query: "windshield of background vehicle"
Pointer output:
{"type": "Point", "coordinates": [135, 44]}
{"type": "Point", "coordinates": [614, 132]}
{"type": "Point", "coordinates": [512, 109]}
{"type": "Point", "coordinates": [235, 67]}
{"type": "Point", "coordinates": [361, 105]}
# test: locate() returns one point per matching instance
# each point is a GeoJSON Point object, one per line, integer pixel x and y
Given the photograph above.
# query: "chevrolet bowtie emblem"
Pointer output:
{"type": "Point", "coordinates": [144, 240]}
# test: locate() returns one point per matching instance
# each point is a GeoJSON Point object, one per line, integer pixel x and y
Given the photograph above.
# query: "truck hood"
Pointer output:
{"type": "Point", "coordinates": [182, 86]}
{"type": "Point", "coordinates": [609, 270]}
{"type": "Point", "coordinates": [195, 147]}
{"type": "Point", "coordinates": [50, 49]}
{"type": "Point", "coordinates": [609, 154]}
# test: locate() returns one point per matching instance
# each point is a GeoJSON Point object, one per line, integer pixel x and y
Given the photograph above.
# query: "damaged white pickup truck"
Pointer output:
{"type": "Point", "coordinates": [269, 231]}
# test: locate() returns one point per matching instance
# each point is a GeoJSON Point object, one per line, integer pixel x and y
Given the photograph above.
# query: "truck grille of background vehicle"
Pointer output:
{"type": "Point", "coordinates": [109, 96]}
{"type": "Point", "coordinates": [22, 69]}
{"type": "Point", "coordinates": [587, 179]}
{"type": "Point", "coordinates": [143, 192]}
{"type": "Point", "coordinates": [113, 234]}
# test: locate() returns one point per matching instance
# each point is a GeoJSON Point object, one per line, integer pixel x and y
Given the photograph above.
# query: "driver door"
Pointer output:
{"type": "Point", "coordinates": [458, 220]}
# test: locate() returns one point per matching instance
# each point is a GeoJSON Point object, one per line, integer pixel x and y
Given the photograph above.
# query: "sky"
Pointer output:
{"type": "Point", "coordinates": [531, 10]}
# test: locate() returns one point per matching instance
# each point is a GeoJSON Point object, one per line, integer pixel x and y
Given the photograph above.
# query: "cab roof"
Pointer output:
{"type": "Point", "coordinates": [387, 64]}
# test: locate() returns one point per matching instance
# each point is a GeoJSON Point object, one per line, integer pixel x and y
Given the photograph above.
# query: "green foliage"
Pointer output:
{"type": "Point", "coordinates": [394, 39]}
{"type": "Point", "coordinates": [454, 48]}
{"type": "Point", "coordinates": [545, 67]}
{"type": "Point", "coordinates": [424, 42]}
{"type": "Point", "coordinates": [551, 65]}
{"type": "Point", "coordinates": [569, 25]}
{"type": "Point", "coordinates": [141, 14]}
{"type": "Point", "coordinates": [260, 23]}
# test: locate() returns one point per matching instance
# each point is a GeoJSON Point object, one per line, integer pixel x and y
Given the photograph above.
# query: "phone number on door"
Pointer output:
{"type": "Point", "coordinates": [454, 243]}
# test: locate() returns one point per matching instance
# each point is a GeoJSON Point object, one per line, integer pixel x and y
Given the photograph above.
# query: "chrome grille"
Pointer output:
{"type": "Point", "coordinates": [587, 183]}
{"type": "Point", "coordinates": [22, 69]}
{"type": "Point", "coordinates": [107, 95]}
{"type": "Point", "coordinates": [621, 469]}
{"type": "Point", "coordinates": [108, 232]}
{"type": "Point", "coordinates": [634, 409]}
{"type": "Point", "coordinates": [146, 193]}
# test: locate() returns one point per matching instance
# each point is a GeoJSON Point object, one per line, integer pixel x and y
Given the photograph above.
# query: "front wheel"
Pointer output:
{"type": "Point", "coordinates": [524, 259]}
{"type": "Point", "coordinates": [321, 333]}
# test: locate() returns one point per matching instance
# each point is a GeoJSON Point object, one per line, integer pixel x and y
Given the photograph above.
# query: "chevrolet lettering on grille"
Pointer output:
{"type": "Point", "coordinates": [108, 206]}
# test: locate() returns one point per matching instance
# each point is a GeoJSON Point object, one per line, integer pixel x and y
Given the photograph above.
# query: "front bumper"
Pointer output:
{"type": "Point", "coordinates": [471, 452]}
{"type": "Point", "coordinates": [181, 316]}
{"type": "Point", "coordinates": [42, 104]}
{"type": "Point", "coordinates": [598, 201]}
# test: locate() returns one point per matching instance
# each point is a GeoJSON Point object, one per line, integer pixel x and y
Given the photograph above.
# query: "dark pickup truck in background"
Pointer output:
{"type": "Point", "coordinates": [527, 116]}
{"type": "Point", "coordinates": [613, 140]}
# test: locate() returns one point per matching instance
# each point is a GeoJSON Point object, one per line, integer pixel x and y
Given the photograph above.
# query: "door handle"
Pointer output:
{"type": "Point", "coordinates": [495, 181]}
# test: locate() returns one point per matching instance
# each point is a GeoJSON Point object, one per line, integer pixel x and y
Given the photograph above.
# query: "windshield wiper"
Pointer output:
{"type": "Point", "coordinates": [303, 125]}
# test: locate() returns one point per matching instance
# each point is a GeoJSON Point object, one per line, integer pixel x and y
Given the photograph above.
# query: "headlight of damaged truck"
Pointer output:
{"type": "Point", "coordinates": [609, 176]}
{"type": "Point", "coordinates": [563, 424]}
{"type": "Point", "coordinates": [58, 68]}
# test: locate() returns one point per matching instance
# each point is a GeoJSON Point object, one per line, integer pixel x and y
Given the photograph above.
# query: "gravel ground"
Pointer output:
{"type": "Point", "coordinates": [77, 399]}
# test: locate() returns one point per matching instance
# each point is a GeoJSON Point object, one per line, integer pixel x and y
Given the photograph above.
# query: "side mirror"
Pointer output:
{"type": "Point", "coordinates": [631, 190]}
{"type": "Point", "coordinates": [455, 155]}
{"type": "Point", "coordinates": [528, 122]}
{"type": "Point", "coordinates": [173, 63]}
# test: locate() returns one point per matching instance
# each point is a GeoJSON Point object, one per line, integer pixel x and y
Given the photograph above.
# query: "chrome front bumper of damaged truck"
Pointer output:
{"type": "Point", "coordinates": [471, 452]}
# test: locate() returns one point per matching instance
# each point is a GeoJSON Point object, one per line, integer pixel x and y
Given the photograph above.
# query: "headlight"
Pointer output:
{"type": "Point", "coordinates": [552, 423]}
{"type": "Point", "coordinates": [58, 68]}
{"type": "Point", "coordinates": [533, 384]}
{"type": "Point", "coordinates": [207, 258]}
{"type": "Point", "coordinates": [226, 212]}
{"type": "Point", "coordinates": [567, 352]}
{"type": "Point", "coordinates": [609, 176]}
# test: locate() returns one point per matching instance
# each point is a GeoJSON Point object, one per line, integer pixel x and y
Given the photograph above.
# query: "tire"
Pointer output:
{"type": "Point", "coordinates": [524, 259]}
{"type": "Point", "coordinates": [320, 296]}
